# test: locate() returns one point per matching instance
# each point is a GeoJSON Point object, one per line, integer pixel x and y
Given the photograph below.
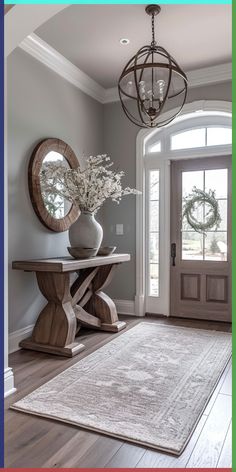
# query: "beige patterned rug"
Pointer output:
{"type": "Point", "coordinates": [149, 385]}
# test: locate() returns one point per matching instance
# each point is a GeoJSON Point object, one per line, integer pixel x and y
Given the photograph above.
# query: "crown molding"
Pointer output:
{"type": "Point", "coordinates": [111, 95]}
{"type": "Point", "coordinates": [210, 75]}
{"type": "Point", "coordinates": [51, 58]}
{"type": "Point", "coordinates": [196, 78]}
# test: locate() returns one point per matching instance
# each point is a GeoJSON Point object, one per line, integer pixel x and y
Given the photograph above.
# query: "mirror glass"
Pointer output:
{"type": "Point", "coordinates": [53, 210]}
{"type": "Point", "coordinates": [57, 206]}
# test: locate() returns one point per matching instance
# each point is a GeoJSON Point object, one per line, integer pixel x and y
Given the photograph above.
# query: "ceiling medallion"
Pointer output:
{"type": "Point", "coordinates": [152, 83]}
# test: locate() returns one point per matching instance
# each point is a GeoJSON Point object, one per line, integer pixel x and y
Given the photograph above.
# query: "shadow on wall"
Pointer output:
{"type": "Point", "coordinates": [26, 308]}
{"type": "Point", "coordinates": [28, 239]}
{"type": "Point", "coordinates": [40, 105]}
{"type": "Point", "coordinates": [123, 285]}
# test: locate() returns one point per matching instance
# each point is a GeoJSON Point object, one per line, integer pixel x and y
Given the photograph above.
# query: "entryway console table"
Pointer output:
{"type": "Point", "coordinates": [70, 307]}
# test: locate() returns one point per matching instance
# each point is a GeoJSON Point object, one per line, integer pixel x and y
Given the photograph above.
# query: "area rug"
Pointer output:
{"type": "Point", "coordinates": [149, 385]}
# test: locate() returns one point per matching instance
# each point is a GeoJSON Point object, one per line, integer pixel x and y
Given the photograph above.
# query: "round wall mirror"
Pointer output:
{"type": "Point", "coordinates": [54, 211]}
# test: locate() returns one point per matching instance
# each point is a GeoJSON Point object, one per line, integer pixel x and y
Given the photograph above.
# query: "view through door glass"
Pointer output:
{"type": "Point", "coordinates": [153, 237]}
{"type": "Point", "coordinates": [211, 246]}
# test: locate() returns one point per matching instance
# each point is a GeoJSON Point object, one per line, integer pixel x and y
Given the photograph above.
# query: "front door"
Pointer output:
{"type": "Point", "coordinates": [200, 285]}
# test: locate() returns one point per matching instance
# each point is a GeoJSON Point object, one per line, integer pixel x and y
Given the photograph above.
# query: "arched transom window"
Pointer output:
{"type": "Point", "coordinates": [194, 131]}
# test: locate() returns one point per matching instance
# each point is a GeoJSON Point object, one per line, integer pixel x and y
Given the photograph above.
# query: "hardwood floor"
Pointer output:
{"type": "Point", "coordinates": [39, 442]}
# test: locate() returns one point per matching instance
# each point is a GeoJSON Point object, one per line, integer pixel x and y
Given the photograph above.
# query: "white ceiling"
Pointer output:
{"type": "Point", "coordinates": [88, 36]}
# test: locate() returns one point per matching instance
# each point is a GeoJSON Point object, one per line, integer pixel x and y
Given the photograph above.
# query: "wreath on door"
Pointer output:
{"type": "Point", "coordinates": [212, 217]}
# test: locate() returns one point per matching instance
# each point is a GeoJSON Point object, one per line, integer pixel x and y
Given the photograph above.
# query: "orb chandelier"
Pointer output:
{"type": "Point", "coordinates": [152, 83]}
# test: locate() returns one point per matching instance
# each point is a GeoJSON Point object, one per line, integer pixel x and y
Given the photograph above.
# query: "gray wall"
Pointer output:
{"type": "Point", "coordinates": [40, 105]}
{"type": "Point", "coordinates": [120, 142]}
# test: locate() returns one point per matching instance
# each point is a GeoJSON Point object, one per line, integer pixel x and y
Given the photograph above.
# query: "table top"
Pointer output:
{"type": "Point", "coordinates": [68, 264]}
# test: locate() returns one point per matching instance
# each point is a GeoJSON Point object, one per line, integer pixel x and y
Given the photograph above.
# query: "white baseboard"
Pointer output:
{"type": "Point", "coordinates": [8, 382]}
{"type": "Point", "coordinates": [125, 307]}
{"type": "Point", "coordinates": [17, 336]}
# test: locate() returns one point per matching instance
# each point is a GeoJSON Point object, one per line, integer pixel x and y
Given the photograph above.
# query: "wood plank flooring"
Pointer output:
{"type": "Point", "coordinates": [39, 442]}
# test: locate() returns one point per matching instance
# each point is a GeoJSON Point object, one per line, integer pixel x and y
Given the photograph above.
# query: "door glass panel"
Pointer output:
{"type": "Point", "coordinates": [192, 138]}
{"type": "Point", "coordinates": [216, 246]}
{"type": "Point", "coordinates": [217, 179]}
{"type": "Point", "coordinates": [154, 215]}
{"type": "Point", "coordinates": [198, 214]}
{"type": "Point", "coordinates": [213, 245]}
{"type": "Point", "coordinates": [192, 246]}
{"type": "Point", "coordinates": [154, 185]}
{"type": "Point", "coordinates": [154, 280]}
{"type": "Point", "coordinates": [153, 236]}
{"type": "Point", "coordinates": [154, 248]}
{"type": "Point", "coordinates": [223, 214]}
{"type": "Point", "coordinates": [218, 135]}
{"type": "Point", "coordinates": [190, 180]}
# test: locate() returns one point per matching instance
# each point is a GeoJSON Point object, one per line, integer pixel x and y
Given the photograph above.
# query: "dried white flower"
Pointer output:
{"type": "Point", "coordinates": [87, 187]}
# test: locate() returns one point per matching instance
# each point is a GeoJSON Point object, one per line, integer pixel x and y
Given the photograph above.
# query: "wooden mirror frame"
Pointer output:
{"type": "Point", "coordinates": [35, 165]}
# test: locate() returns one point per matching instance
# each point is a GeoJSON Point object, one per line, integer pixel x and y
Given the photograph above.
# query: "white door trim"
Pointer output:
{"type": "Point", "coordinates": [216, 106]}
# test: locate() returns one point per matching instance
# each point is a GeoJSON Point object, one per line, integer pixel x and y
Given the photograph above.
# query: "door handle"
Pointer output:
{"type": "Point", "coordinates": [173, 253]}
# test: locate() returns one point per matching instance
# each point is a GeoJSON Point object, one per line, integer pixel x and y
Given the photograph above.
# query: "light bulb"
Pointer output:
{"type": "Point", "coordinates": [129, 86]}
{"type": "Point", "coordinates": [142, 89]}
{"type": "Point", "coordinates": [161, 85]}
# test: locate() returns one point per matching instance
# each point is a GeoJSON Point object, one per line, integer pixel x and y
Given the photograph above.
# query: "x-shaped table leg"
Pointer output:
{"type": "Point", "coordinates": [91, 305]}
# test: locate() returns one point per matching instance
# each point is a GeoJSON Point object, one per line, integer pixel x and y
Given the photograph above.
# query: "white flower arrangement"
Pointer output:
{"type": "Point", "coordinates": [87, 187]}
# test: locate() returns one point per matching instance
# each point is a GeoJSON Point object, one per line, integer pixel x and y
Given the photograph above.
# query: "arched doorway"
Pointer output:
{"type": "Point", "coordinates": [202, 131]}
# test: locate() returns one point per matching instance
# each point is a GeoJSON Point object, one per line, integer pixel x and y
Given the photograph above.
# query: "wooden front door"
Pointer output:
{"type": "Point", "coordinates": [200, 285]}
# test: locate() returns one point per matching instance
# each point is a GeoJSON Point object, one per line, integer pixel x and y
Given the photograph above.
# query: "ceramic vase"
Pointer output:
{"type": "Point", "coordinates": [86, 232]}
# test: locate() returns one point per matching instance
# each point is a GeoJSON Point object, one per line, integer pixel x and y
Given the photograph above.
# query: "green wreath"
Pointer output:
{"type": "Point", "coordinates": [212, 217]}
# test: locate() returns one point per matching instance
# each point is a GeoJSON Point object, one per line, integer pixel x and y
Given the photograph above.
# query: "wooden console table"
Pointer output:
{"type": "Point", "coordinates": [70, 307]}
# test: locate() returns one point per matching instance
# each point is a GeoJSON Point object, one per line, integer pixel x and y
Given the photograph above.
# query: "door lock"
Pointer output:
{"type": "Point", "coordinates": [173, 253]}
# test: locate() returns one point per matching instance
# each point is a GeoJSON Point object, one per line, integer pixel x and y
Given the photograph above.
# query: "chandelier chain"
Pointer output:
{"type": "Point", "coordinates": [153, 30]}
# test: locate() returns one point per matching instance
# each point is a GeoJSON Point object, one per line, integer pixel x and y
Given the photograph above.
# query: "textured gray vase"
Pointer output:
{"type": "Point", "coordinates": [86, 232]}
